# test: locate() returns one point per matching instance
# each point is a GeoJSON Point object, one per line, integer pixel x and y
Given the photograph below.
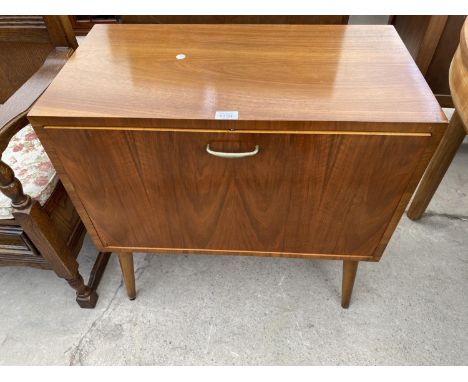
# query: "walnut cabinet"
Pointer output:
{"type": "Point", "coordinates": [265, 140]}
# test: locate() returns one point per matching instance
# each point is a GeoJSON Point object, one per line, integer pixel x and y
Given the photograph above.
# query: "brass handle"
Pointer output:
{"type": "Point", "coordinates": [222, 154]}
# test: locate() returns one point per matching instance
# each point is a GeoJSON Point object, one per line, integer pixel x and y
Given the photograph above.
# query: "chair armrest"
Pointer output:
{"type": "Point", "coordinates": [13, 112]}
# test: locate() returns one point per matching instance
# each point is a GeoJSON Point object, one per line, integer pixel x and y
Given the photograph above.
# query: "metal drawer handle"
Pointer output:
{"type": "Point", "coordinates": [232, 155]}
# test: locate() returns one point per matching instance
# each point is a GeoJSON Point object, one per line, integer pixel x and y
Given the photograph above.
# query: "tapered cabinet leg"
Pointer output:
{"type": "Point", "coordinates": [438, 166]}
{"type": "Point", "coordinates": [128, 273]}
{"type": "Point", "coordinates": [349, 275]}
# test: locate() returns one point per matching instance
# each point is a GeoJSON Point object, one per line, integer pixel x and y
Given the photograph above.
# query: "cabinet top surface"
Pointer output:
{"type": "Point", "coordinates": [262, 72]}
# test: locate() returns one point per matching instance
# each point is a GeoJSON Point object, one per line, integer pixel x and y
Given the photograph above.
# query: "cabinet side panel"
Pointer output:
{"type": "Point", "coordinates": [50, 147]}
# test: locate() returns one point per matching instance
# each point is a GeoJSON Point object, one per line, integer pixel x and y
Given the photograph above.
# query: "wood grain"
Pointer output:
{"type": "Point", "coordinates": [25, 42]}
{"type": "Point", "coordinates": [18, 62]}
{"type": "Point", "coordinates": [459, 77]}
{"type": "Point", "coordinates": [438, 166]}
{"type": "Point", "coordinates": [60, 31]}
{"type": "Point", "coordinates": [438, 72]}
{"type": "Point", "coordinates": [128, 273]}
{"type": "Point", "coordinates": [412, 30]}
{"type": "Point", "coordinates": [454, 135]}
{"type": "Point", "coordinates": [265, 72]}
{"type": "Point", "coordinates": [13, 112]}
{"type": "Point", "coordinates": [234, 19]}
{"type": "Point", "coordinates": [49, 236]}
{"type": "Point", "coordinates": [23, 29]}
{"type": "Point", "coordinates": [429, 42]}
{"type": "Point", "coordinates": [289, 199]}
{"type": "Point", "coordinates": [432, 41]}
{"type": "Point", "coordinates": [349, 275]}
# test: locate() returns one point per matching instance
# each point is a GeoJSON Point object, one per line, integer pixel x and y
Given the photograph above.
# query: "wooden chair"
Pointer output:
{"type": "Point", "coordinates": [39, 228]}
{"type": "Point", "coordinates": [432, 41]}
{"type": "Point", "coordinates": [456, 132]}
{"type": "Point", "coordinates": [25, 43]}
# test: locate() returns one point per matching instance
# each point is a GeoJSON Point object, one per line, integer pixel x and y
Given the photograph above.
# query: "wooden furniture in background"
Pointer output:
{"type": "Point", "coordinates": [233, 19]}
{"type": "Point", "coordinates": [46, 236]}
{"type": "Point", "coordinates": [432, 41]}
{"type": "Point", "coordinates": [82, 24]}
{"type": "Point", "coordinates": [25, 42]}
{"type": "Point", "coordinates": [248, 140]}
{"type": "Point", "coordinates": [456, 132]}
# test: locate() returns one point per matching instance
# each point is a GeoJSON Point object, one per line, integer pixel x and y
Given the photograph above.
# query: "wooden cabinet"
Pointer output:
{"type": "Point", "coordinates": [290, 141]}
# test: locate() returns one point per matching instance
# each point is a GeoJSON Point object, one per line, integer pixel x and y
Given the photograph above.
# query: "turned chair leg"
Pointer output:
{"type": "Point", "coordinates": [438, 166]}
{"type": "Point", "coordinates": [128, 274]}
{"type": "Point", "coordinates": [349, 274]}
{"type": "Point", "coordinates": [42, 232]}
{"type": "Point", "coordinates": [85, 296]}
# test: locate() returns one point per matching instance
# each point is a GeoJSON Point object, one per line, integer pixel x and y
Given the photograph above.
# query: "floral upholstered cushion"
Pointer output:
{"type": "Point", "coordinates": [31, 165]}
